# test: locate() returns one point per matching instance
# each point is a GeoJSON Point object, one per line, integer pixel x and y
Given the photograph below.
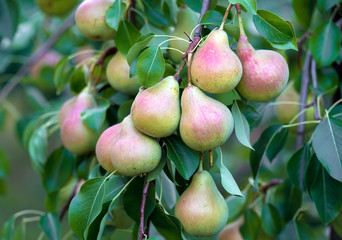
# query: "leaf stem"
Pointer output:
{"type": "Point", "coordinates": [302, 123]}
{"type": "Point", "coordinates": [226, 15]}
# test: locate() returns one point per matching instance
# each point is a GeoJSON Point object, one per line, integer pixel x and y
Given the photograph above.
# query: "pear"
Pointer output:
{"type": "Point", "coordinates": [56, 7]}
{"type": "Point", "coordinates": [265, 72]}
{"type": "Point", "coordinates": [231, 231]}
{"type": "Point", "coordinates": [186, 21]}
{"type": "Point", "coordinates": [156, 110]}
{"type": "Point", "coordinates": [105, 145]}
{"type": "Point", "coordinates": [76, 136]}
{"type": "Point", "coordinates": [91, 20]}
{"type": "Point", "coordinates": [205, 122]}
{"type": "Point", "coordinates": [118, 75]}
{"type": "Point", "coordinates": [134, 153]}
{"type": "Point", "coordinates": [215, 68]}
{"type": "Point", "coordinates": [65, 110]}
{"type": "Point", "coordinates": [201, 208]}
{"type": "Point", "coordinates": [50, 59]}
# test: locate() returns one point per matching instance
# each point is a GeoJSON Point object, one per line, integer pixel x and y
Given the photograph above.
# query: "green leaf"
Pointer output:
{"type": "Point", "coordinates": [20, 231]}
{"type": "Point", "coordinates": [326, 193]}
{"type": "Point", "coordinates": [325, 43]}
{"type": "Point", "coordinates": [63, 73]}
{"type": "Point", "coordinates": [124, 110]}
{"type": "Point", "coordinates": [250, 5]}
{"type": "Point", "coordinates": [212, 17]}
{"type": "Point", "coordinates": [276, 143]}
{"type": "Point", "coordinates": [168, 226]}
{"type": "Point", "coordinates": [304, 10]}
{"type": "Point", "coordinates": [126, 36]}
{"type": "Point", "coordinates": [337, 224]}
{"type": "Point", "coordinates": [37, 147]}
{"type": "Point", "coordinates": [133, 196]}
{"type": "Point", "coordinates": [114, 14]}
{"type": "Point", "coordinates": [233, 31]}
{"type": "Point", "coordinates": [77, 80]}
{"type": "Point", "coordinates": [242, 131]}
{"type": "Point", "coordinates": [270, 220]}
{"type": "Point", "coordinates": [291, 44]}
{"type": "Point", "coordinates": [227, 179]}
{"type": "Point", "coordinates": [9, 18]}
{"type": "Point", "coordinates": [155, 13]}
{"type": "Point", "coordinates": [50, 225]}
{"type": "Point", "coordinates": [8, 229]}
{"type": "Point", "coordinates": [251, 226]}
{"type": "Point", "coordinates": [327, 144]}
{"type": "Point", "coordinates": [324, 5]}
{"type": "Point", "coordinates": [138, 46]}
{"type": "Point", "coordinates": [272, 27]}
{"type": "Point", "coordinates": [296, 230]}
{"type": "Point", "coordinates": [184, 158]}
{"type": "Point", "coordinates": [150, 66]}
{"type": "Point", "coordinates": [95, 117]}
{"type": "Point", "coordinates": [57, 169]}
{"type": "Point", "coordinates": [4, 165]}
{"type": "Point", "coordinates": [297, 165]}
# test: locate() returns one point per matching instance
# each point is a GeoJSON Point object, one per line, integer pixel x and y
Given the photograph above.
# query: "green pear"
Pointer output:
{"type": "Point", "coordinates": [134, 153]}
{"type": "Point", "coordinates": [105, 145]}
{"type": "Point", "coordinates": [121, 218]}
{"type": "Point", "coordinates": [201, 208]}
{"type": "Point", "coordinates": [118, 75]}
{"type": "Point", "coordinates": [265, 72]}
{"type": "Point", "coordinates": [215, 68]}
{"type": "Point", "coordinates": [156, 110]}
{"type": "Point", "coordinates": [56, 7]}
{"type": "Point", "coordinates": [91, 20]}
{"type": "Point", "coordinates": [186, 21]}
{"type": "Point", "coordinates": [205, 122]}
{"type": "Point", "coordinates": [76, 136]}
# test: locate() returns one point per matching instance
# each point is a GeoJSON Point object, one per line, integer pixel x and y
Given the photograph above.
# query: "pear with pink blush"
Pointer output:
{"type": "Point", "coordinates": [265, 72]}
{"type": "Point", "coordinates": [205, 122]}
{"type": "Point", "coordinates": [105, 145]}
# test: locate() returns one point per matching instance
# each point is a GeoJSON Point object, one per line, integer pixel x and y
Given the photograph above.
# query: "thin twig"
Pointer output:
{"type": "Point", "coordinates": [142, 211]}
{"type": "Point", "coordinates": [72, 195]}
{"type": "Point", "coordinates": [300, 47]}
{"type": "Point", "coordinates": [270, 184]}
{"type": "Point", "coordinates": [36, 56]}
{"type": "Point", "coordinates": [303, 96]}
{"type": "Point", "coordinates": [315, 86]}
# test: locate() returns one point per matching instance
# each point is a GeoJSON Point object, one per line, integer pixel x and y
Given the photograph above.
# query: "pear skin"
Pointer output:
{"type": "Point", "coordinates": [205, 122]}
{"type": "Point", "coordinates": [118, 75]}
{"type": "Point", "coordinates": [156, 110]}
{"type": "Point", "coordinates": [76, 136]}
{"type": "Point", "coordinates": [201, 208]}
{"type": "Point", "coordinates": [265, 72]}
{"type": "Point", "coordinates": [105, 145]}
{"type": "Point", "coordinates": [65, 110]}
{"type": "Point", "coordinates": [91, 20]}
{"type": "Point", "coordinates": [134, 153]}
{"type": "Point", "coordinates": [215, 68]}
{"type": "Point", "coordinates": [231, 231]}
{"type": "Point", "coordinates": [50, 58]}
{"type": "Point", "coordinates": [56, 8]}
{"type": "Point", "coordinates": [186, 21]}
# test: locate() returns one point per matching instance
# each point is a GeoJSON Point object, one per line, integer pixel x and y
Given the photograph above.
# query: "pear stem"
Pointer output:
{"type": "Point", "coordinates": [242, 30]}
{"type": "Point", "coordinates": [189, 68]}
{"type": "Point", "coordinates": [226, 15]}
{"type": "Point", "coordinates": [200, 166]}
{"type": "Point", "coordinates": [211, 159]}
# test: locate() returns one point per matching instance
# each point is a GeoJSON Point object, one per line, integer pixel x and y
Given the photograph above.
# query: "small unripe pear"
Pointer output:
{"type": "Point", "coordinates": [91, 20]}
{"type": "Point", "coordinates": [76, 136]}
{"type": "Point", "coordinates": [134, 153]}
{"type": "Point", "coordinates": [265, 72]}
{"type": "Point", "coordinates": [215, 68]}
{"type": "Point", "coordinates": [105, 145]}
{"type": "Point", "coordinates": [156, 110]}
{"type": "Point", "coordinates": [56, 7]}
{"type": "Point", "coordinates": [205, 123]}
{"type": "Point", "coordinates": [201, 208]}
{"type": "Point", "coordinates": [118, 75]}
{"type": "Point", "coordinates": [186, 21]}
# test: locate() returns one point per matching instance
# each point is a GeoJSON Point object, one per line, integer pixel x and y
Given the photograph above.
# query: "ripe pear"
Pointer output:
{"type": "Point", "coordinates": [231, 231]}
{"type": "Point", "coordinates": [91, 20]}
{"type": "Point", "coordinates": [265, 72]}
{"type": "Point", "coordinates": [186, 21]}
{"type": "Point", "coordinates": [215, 68]}
{"type": "Point", "coordinates": [134, 153]}
{"type": "Point", "coordinates": [105, 145]}
{"type": "Point", "coordinates": [76, 136]}
{"type": "Point", "coordinates": [156, 110]}
{"type": "Point", "coordinates": [56, 7]}
{"type": "Point", "coordinates": [205, 122]}
{"type": "Point", "coordinates": [65, 110]}
{"type": "Point", "coordinates": [201, 208]}
{"type": "Point", "coordinates": [118, 75]}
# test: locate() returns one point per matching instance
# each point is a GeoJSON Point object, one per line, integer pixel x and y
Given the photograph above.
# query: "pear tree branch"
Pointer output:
{"type": "Point", "coordinates": [315, 86]}
{"type": "Point", "coordinates": [142, 233]}
{"type": "Point", "coordinates": [36, 56]}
